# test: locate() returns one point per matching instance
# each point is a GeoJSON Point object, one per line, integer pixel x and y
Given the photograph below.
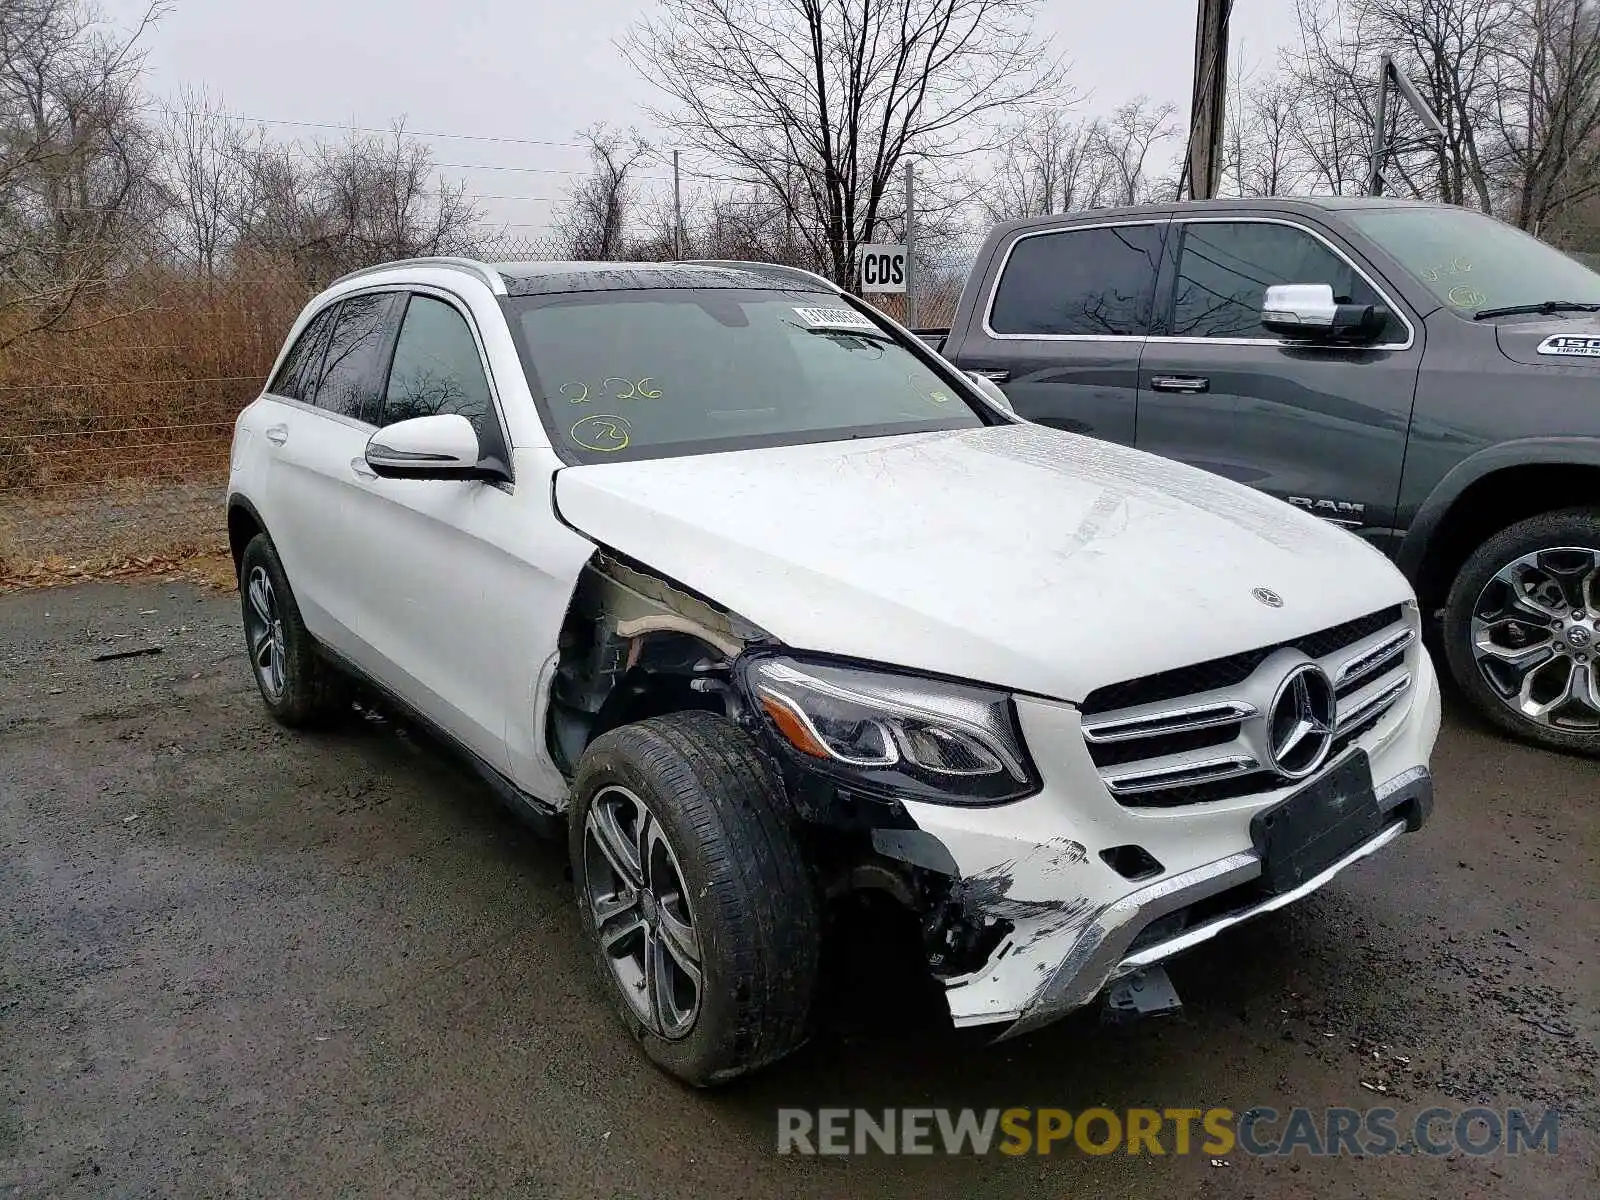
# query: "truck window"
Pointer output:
{"type": "Point", "coordinates": [1225, 268]}
{"type": "Point", "coordinates": [1080, 282]}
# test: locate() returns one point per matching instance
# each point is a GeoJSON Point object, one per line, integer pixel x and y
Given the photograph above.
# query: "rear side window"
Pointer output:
{"type": "Point", "coordinates": [437, 369]}
{"type": "Point", "coordinates": [1225, 268]}
{"type": "Point", "coordinates": [297, 378]}
{"type": "Point", "coordinates": [1085, 282]}
{"type": "Point", "coordinates": [352, 363]}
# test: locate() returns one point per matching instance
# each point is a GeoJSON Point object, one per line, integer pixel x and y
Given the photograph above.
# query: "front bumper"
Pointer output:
{"type": "Point", "coordinates": [1111, 946]}
{"type": "Point", "coordinates": [1076, 923]}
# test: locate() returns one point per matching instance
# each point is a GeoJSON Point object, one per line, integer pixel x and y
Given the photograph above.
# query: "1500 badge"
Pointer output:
{"type": "Point", "coordinates": [1569, 345]}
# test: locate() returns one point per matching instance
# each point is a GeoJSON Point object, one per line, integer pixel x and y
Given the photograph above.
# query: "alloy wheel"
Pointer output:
{"type": "Point", "coordinates": [636, 898]}
{"type": "Point", "coordinates": [263, 627]}
{"type": "Point", "coordinates": [1536, 634]}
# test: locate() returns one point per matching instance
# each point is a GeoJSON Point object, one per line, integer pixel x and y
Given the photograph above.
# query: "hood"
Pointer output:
{"type": "Point", "coordinates": [1014, 555]}
{"type": "Point", "coordinates": [1520, 339]}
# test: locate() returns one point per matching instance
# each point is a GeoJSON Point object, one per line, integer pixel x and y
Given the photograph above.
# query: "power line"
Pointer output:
{"type": "Point", "coordinates": [462, 137]}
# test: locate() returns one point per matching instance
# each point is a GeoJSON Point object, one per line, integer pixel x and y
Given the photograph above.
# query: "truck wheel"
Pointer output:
{"type": "Point", "coordinates": [299, 687]}
{"type": "Point", "coordinates": [697, 904]}
{"type": "Point", "coordinates": [1522, 629]}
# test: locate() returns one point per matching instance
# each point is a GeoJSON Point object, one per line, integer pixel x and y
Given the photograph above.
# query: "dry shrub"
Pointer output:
{"type": "Point", "coordinates": [144, 379]}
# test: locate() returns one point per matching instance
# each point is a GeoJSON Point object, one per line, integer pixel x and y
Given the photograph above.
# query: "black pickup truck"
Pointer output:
{"type": "Point", "coordinates": [1425, 376]}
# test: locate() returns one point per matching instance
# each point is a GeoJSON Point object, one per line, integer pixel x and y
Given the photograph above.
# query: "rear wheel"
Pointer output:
{"type": "Point", "coordinates": [297, 685]}
{"type": "Point", "coordinates": [697, 904]}
{"type": "Point", "coordinates": [1522, 629]}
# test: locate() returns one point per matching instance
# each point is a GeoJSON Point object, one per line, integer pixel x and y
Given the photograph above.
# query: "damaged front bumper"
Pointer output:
{"type": "Point", "coordinates": [1077, 924]}
{"type": "Point", "coordinates": [1112, 944]}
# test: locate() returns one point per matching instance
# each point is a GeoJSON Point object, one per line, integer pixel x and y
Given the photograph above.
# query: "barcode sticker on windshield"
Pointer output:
{"type": "Point", "coordinates": [835, 318]}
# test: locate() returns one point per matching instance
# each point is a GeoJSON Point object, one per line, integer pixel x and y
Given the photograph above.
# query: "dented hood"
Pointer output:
{"type": "Point", "coordinates": [1015, 555]}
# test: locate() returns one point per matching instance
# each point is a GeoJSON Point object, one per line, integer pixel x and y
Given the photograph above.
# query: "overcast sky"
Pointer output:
{"type": "Point", "coordinates": [539, 70]}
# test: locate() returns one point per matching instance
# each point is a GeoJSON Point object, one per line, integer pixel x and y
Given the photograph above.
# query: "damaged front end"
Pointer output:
{"type": "Point", "coordinates": [979, 812]}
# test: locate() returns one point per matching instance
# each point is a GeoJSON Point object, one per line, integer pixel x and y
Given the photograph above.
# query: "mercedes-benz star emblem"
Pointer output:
{"type": "Point", "coordinates": [1301, 722]}
{"type": "Point", "coordinates": [1268, 597]}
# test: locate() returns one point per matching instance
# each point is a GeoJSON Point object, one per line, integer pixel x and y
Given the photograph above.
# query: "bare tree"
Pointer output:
{"type": "Point", "coordinates": [330, 208]}
{"type": "Point", "coordinates": [1125, 142]}
{"type": "Point", "coordinates": [592, 222]}
{"type": "Point", "coordinates": [205, 180]}
{"type": "Point", "coordinates": [75, 160]}
{"type": "Point", "coordinates": [818, 102]}
{"type": "Point", "coordinates": [1048, 163]}
{"type": "Point", "coordinates": [1548, 114]}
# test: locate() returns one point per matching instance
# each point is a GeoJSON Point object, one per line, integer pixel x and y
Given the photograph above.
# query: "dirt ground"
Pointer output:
{"type": "Point", "coordinates": [240, 962]}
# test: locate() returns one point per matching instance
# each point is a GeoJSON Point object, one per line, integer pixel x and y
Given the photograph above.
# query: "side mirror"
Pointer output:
{"type": "Point", "coordinates": [443, 446]}
{"type": "Point", "coordinates": [992, 392]}
{"type": "Point", "coordinates": [1307, 312]}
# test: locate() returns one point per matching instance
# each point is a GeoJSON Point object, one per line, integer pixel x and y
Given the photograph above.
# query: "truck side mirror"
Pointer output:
{"type": "Point", "coordinates": [1307, 312]}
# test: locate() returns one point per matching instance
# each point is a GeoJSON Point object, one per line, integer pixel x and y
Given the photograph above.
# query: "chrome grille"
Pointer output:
{"type": "Point", "coordinates": [1157, 746]}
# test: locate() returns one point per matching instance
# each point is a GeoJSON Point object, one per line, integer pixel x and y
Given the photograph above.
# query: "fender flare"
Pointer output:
{"type": "Point", "coordinates": [239, 500]}
{"type": "Point", "coordinates": [1551, 451]}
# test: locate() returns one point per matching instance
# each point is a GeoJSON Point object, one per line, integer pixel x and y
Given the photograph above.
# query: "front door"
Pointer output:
{"type": "Point", "coordinates": [1322, 427]}
{"type": "Point", "coordinates": [1063, 330]}
{"type": "Point", "coordinates": [447, 569]}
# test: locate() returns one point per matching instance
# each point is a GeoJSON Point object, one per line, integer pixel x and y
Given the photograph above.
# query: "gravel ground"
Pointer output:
{"type": "Point", "coordinates": [240, 962]}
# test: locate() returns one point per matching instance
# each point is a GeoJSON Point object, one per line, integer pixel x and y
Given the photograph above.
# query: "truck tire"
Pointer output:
{"type": "Point", "coordinates": [698, 906]}
{"type": "Point", "coordinates": [1522, 629]}
{"type": "Point", "coordinates": [298, 686]}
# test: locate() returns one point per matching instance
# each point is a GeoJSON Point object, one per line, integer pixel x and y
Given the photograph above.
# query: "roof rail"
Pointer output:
{"type": "Point", "coordinates": [774, 271]}
{"type": "Point", "coordinates": [483, 272]}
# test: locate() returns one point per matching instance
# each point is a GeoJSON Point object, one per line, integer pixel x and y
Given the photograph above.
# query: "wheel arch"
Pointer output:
{"type": "Point", "coordinates": [244, 523]}
{"type": "Point", "coordinates": [1488, 492]}
{"type": "Point", "coordinates": [636, 645]}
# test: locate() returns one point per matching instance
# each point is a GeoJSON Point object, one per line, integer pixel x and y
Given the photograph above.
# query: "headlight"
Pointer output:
{"type": "Point", "coordinates": [946, 742]}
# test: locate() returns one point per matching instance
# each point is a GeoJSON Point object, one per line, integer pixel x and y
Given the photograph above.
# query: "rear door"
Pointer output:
{"type": "Point", "coordinates": [1323, 427]}
{"type": "Point", "coordinates": [1064, 324]}
{"type": "Point", "coordinates": [318, 424]}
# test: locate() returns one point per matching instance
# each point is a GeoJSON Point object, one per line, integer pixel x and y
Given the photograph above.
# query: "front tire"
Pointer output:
{"type": "Point", "coordinates": [299, 688]}
{"type": "Point", "coordinates": [1522, 630]}
{"type": "Point", "coordinates": [694, 896]}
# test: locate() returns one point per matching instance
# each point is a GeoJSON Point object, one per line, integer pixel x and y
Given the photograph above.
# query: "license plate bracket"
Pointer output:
{"type": "Point", "coordinates": [1303, 835]}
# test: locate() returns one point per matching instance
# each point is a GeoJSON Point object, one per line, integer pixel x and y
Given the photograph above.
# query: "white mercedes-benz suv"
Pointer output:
{"type": "Point", "coordinates": [770, 607]}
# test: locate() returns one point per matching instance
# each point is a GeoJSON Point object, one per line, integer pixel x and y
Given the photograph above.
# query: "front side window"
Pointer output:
{"type": "Point", "coordinates": [658, 372]}
{"type": "Point", "coordinates": [1471, 262]}
{"type": "Point", "coordinates": [351, 363]}
{"type": "Point", "coordinates": [437, 369]}
{"type": "Point", "coordinates": [1084, 282]}
{"type": "Point", "coordinates": [297, 377]}
{"type": "Point", "coordinates": [1226, 267]}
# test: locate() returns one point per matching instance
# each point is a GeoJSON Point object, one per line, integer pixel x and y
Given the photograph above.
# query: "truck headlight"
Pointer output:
{"type": "Point", "coordinates": [951, 743]}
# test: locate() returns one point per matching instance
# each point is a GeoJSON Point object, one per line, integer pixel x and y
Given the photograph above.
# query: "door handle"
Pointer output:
{"type": "Point", "coordinates": [994, 376]}
{"type": "Point", "coordinates": [277, 434]}
{"type": "Point", "coordinates": [360, 467]}
{"type": "Point", "coordinates": [1179, 383]}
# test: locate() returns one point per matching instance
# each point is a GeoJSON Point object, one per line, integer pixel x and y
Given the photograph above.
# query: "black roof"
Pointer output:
{"type": "Point", "coordinates": [554, 278]}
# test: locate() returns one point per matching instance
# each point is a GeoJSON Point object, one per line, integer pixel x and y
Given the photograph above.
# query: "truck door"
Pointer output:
{"type": "Point", "coordinates": [1323, 427]}
{"type": "Point", "coordinates": [1063, 325]}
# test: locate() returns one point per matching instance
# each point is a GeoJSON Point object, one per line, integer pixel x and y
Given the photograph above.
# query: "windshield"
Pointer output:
{"type": "Point", "coordinates": [651, 373]}
{"type": "Point", "coordinates": [1472, 262]}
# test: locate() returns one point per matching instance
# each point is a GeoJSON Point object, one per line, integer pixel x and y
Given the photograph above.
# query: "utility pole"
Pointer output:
{"type": "Point", "coordinates": [911, 247]}
{"type": "Point", "coordinates": [677, 211]}
{"type": "Point", "coordinates": [1202, 169]}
